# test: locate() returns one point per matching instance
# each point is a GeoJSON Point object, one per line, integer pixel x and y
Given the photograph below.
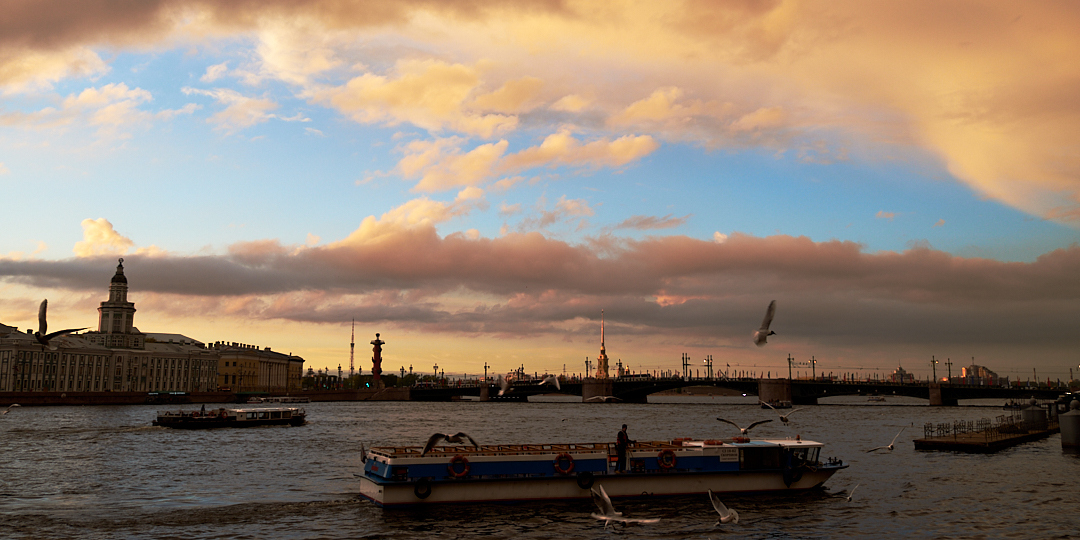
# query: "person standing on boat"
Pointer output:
{"type": "Point", "coordinates": [622, 440]}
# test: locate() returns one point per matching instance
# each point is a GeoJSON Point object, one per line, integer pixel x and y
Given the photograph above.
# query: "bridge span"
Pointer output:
{"type": "Point", "coordinates": [636, 389]}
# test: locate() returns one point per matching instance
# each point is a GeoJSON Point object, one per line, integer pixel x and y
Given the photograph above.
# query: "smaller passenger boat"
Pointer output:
{"type": "Point", "coordinates": [215, 418]}
{"type": "Point", "coordinates": [875, 398]}
{"type": "Point", "coordinates": [278, 399]}
{"type": "Point", "coordinates": [776, 404]}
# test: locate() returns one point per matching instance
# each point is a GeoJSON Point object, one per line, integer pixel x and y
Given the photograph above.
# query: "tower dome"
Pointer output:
{"type": "Point", "coordinates": [120, 277]}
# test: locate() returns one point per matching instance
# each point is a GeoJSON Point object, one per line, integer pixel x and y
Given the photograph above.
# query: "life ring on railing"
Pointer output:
{"type": "Point", "coordinates": [666, 459]}
{"type": "Point", "coordinates": [585, 480]}
{"type": "Point", "coordinates": [223, 415]}
{"type": "Point", "coordinates": [451, 468]}
{"type": "Point", "coordinates": [560, 460]}
{"type": "Point", "coordinates": [422, 489]}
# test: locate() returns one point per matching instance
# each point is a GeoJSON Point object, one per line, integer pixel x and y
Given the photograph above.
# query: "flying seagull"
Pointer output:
{"type": "Point", "coordinates": [783, 417]}
{"type": "Point", "coordinates": [602, 399]}
{"type": "Point", "coordinates": [551, 379]}
{"type": "Point", "coordinates": [607, 511]}
{"type": "Point", "coordinates": [504, 385]}
{"type": "Point", "coordinates": [890, 446]}
{"type": "Point", "coordinates": [43, 327]}
{"type": "Point", "coordinates": [8, 409]}
{"type": "Point", "coordinates": [726, 515]}
{"type": "Point", "coordinates": [851, 492]}
{"type": "Point", "coordinates": [457, 438]}
{"type": "Point", "coordinates": [763, 333]}
{"type": "Point", "coordinates": [744, 431]}
{"type": "Point", "coordinates": [363, 453]}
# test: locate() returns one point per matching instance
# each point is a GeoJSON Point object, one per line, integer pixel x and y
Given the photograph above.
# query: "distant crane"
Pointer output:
{"type": "Point", "coordinates": [352, 349]}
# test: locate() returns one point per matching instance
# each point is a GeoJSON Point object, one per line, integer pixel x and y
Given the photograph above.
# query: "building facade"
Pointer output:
{"type": "Point", "coordinates": [247, 368]}
{"type": "Point", "coordinates": [117, 357]}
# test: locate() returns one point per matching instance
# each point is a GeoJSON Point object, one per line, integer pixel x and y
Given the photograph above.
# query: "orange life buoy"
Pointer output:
{"type": "Point", "coordinates": [560, 460]}
{"type": "Point", "coordinates": [666, 459]}
{"type": "Point", "coordinates": [451, 469]}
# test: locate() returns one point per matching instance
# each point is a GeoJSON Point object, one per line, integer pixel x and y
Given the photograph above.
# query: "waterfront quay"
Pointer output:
{"type": "Point", "coordinates": [984, 437]}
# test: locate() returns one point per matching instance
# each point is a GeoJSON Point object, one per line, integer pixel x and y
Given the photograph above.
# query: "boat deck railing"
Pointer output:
{"type": "Point", "coordinates": [521, 449]}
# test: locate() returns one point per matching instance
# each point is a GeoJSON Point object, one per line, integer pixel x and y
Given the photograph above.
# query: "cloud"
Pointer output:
{"type": "Point", "coordinates": [885, 215]}
{"type": "Point", "coordinates": [398, 269]}
{"type": "Point", "coordinates": [240, 111]}
{"type": "Point", "coordinates": [429, 94]}
{"type": "Point", "coordinates": [940, 223]}
{"type": "Point", "coordinates": [99, 238]}
{"type": "Point", "coordinates": [563, 148]}
{"type": "Point", "coordinates": [513, 97]}
{"type": "Point", "coordinates": [645, 223]}
{"type": "Point", "coordinates": [719, 237]}
{"type": "Point", "coordinates": [109, 108]}
{"type": "Point", "coordinates": [25, 70]}
{"type": "Point", "coordinates": [571, 103]}
{"type": "Point", "coordinates": [4, 169]}
{"type": "Point", "coordinates": [214, 72]}
{"type": "Point", "coordinates": [441, 164]}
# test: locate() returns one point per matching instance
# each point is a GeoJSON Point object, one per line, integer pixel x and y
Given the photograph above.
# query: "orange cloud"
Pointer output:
{"type": "Point", "coordinates": [427, 93]}
{"type": "Point", "coordinates": [440, 164]}
{"type": "Point", "coordinates": [99, 238]}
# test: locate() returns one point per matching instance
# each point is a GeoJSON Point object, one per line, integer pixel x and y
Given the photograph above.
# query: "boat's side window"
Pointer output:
{"type": "Point", "coordinates": [759, 458]}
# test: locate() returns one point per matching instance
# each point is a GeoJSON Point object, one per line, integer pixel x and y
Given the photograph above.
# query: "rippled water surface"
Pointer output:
{"type": "Point", "coordinates": [104, 472]}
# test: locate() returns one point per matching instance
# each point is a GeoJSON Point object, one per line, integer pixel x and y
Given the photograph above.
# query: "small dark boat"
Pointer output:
{"type": "Point", "coordinates": [216, 418]}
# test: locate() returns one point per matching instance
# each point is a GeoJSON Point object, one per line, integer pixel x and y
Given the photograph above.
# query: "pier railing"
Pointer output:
{"type": "Point", "coordinates": [1002, 427]}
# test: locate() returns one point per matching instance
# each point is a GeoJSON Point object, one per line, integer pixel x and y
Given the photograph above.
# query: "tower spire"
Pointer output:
{"type": "Point", "coordinates": [352, 349]}
{"type": "Point", "coordinates": [602, 360]}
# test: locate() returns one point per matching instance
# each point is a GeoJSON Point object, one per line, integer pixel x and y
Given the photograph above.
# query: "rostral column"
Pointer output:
{"type": "Point", "coordinates": [376, 362]}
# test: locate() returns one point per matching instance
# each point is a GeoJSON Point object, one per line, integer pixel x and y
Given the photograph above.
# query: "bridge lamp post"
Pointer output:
{"type": "Point", "coordinates": [485, 372]}
{"type": "Point", "coordinates": [436, 374]}
{"type": "Point", "coordinates": [813, 368]}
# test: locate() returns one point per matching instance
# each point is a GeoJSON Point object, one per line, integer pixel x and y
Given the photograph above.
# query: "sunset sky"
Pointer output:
{"type": "Point", "coordinates": [477, 180]}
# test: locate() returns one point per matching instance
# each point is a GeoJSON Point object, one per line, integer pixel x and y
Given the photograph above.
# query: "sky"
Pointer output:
{"type": "Point", "coordinates": [480, 181]}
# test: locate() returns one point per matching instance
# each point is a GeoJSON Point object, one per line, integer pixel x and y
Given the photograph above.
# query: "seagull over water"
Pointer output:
{"type": "Point", "coordinates": [852, 492]}
{"type": "Point", "coordinates": [783, 417]}
{"type": "Point", "coordinates": [763, 333]}
{"type": "Point", "coordinates": [8, 409]}
{"type": "Point", "coordinates": [608, 513]}
{"type": "Point", "coordinates": [744, 431]}
{"type": "Point", "coordinates": [43, 327]}
{"type": "Point", "coordinates": [602, 399]}
{"type": "Point", "coordinates": [504, 385]}
{"type": "Point", "coordinates": [551, 379]}
{"type": "Point", "coordinates": [890, 446]}
{"type": "Point", "coordinates": [726, 515]}
{"type": "Point", "coordinates": [457, 438]}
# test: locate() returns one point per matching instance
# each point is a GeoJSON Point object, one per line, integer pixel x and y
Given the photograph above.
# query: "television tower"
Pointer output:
{"type": "Point", "coordinates": [352, 349]}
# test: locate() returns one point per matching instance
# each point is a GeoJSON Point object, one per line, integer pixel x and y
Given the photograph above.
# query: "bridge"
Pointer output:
{"type": "Point", "coordinates": [636, 389]}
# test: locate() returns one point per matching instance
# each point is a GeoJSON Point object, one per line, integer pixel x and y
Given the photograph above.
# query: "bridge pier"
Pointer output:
{"type": "Point", "coordinates": [596, 387]}
{"type": "Point", "coordinates": [936, 399]}
{"type": "Point", "coordinates": [774, 390]}
{"type": "Point", "coordinates": [485, 392]}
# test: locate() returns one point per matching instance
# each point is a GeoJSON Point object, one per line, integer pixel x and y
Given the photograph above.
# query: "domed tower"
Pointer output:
{"type": "Point", "coordinates": [116, 316]}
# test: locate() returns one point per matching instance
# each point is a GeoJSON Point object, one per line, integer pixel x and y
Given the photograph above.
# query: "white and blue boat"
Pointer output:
{"type": "Point", "coordinates": [397, 476]}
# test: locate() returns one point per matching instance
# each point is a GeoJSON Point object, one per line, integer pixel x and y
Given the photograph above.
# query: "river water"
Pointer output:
{"type": "Point", "coordinates": [105, 472]}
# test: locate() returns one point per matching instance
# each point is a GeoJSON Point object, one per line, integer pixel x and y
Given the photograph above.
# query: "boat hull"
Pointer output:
{"type": "Point", "coordinates": [231, 418]}
{"type": "Point", "coordinates": [406, 476]}
{"type": "Point", "coordinates": [212, 423]}
{"type": "Point", "coordinates": [403, 494]}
